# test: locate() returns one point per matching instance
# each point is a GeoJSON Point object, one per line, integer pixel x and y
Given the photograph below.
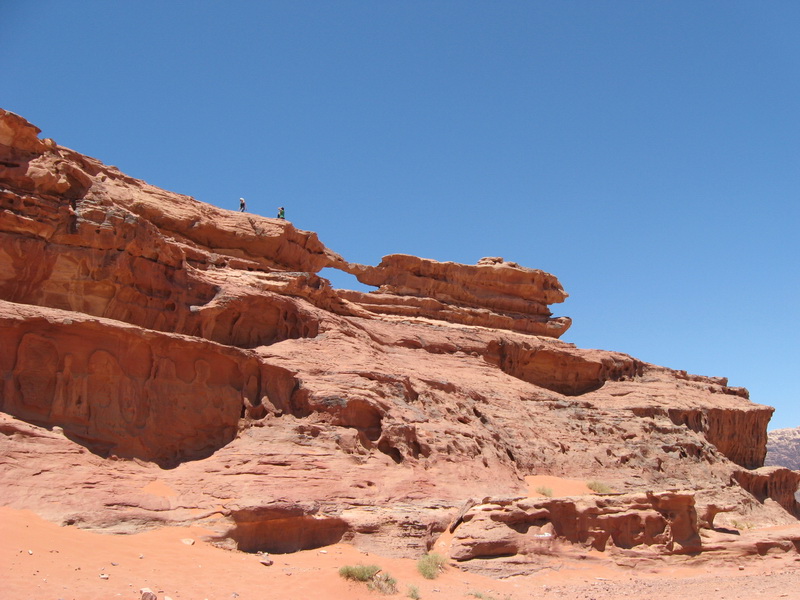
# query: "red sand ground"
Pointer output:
{"type": "Point", "coordinates": [40, 560]}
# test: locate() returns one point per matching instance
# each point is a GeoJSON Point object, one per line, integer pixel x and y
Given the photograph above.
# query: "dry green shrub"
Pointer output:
{"type": "Point", "coordinates": [383, 583]}
{"type": "Point", "coordinates": [377, 581]}
{"type": "Point", "coordinates": [359, 572]}
{"type": "Point", "coordinates": [544, 491]}
{"type": "Point", "coordinates": [431, 565]}
{"type": "Point", "coordinates": [598, 487]}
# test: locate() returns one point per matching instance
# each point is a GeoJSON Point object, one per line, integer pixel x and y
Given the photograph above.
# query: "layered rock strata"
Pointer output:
{"type": "Point", "coordinates": [493, 293]}
{"type": "Point", "coordinates": [666, 521]}
{"type": "Point", "coordinates": [166, 361]}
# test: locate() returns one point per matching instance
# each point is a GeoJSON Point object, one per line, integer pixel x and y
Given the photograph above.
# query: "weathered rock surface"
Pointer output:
{"type": "Point", "coordinates": [166, 361]}
{"type": "Point", "coordinates": [777, 483]}
{"type": "Point", "coordinates": [783, 448]}
{"type": "Point", "coordinates": [666, 521]}
{"type": "Point", "coordinates": [493, 293]}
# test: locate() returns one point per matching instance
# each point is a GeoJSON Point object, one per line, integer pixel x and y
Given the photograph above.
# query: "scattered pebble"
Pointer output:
{"type": "Point", "coordinates": [266, 561]}
{"type": "Point", "coordinates": [188, 541]}
{"type": "Point", "coordinates": [30, 551]}
{"type": "Point", "coordinates": [147, 594]}
{"type": "Point", "coordinates": [103, 576]}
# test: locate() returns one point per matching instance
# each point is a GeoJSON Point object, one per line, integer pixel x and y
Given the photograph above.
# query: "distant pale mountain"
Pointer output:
{"type": "Point", "coordinates": [783, 448]}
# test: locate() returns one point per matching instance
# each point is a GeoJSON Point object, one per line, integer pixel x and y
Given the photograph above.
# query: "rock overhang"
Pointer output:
{"type": "Point", "coordinates": [493, 293]}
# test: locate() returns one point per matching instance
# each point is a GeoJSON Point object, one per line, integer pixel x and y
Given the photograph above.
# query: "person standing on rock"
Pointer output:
{"type": "Point", "coordinates": [242, 205]}
{"type": "Point", "coordinates": [281, 213]}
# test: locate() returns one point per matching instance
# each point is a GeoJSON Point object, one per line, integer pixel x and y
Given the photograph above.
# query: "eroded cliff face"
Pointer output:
{"type": "Point", "coordinates": [150, 337]}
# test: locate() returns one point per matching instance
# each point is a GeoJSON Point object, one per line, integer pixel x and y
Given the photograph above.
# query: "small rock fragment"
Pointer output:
{"type": "Point", "coordinates": [188, 541]}
{"type": "Point", "coordinates": [103, 576]}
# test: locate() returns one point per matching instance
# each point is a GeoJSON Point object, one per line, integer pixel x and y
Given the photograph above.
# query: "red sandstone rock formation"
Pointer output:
{"type": "Point", "coordinates": [494, 293]}
{"type": "Point", "coordinates": [666, 521]}
{"type": "Point", "coordinates": [166, 361]}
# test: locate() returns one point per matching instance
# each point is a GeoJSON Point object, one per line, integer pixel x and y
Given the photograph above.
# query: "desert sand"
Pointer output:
{"type": "Point", "coordinates": [44, 560]}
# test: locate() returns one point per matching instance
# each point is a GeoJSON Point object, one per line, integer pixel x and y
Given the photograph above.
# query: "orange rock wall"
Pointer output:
{"type": "Point", "coordinates": [498, 527]}
{"type": "Point", "coordinates": [123, 390]}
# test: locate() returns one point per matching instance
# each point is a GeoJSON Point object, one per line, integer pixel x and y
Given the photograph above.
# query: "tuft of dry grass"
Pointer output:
{"type": "Point", "coordinates": [431, 565]}
{"type": "Point", "coordinates": [371, 574]}
{"type": "Point", "coordinates": [383, 583]}
{"type": "Point", "coordinates": [359, 572]}
{"type": "Point", "coordinates": [482, 596]}
{"type": "Point", "coordinates": [598, 487]}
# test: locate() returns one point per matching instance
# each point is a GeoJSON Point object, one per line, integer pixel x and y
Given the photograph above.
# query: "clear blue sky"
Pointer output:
{"type": "Point", "coordinates": [646, 153]}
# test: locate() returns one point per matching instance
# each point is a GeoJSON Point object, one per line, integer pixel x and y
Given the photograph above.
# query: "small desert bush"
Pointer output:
{"type": "Point", "coordinates": [383, 583]}
{"type": "Point", "coordinates": [599, 487]}
{"type": "Point", "coordinates": [413, 592]}
{"type": "Point", "coordinates": [544, 491]}
{"type": "Point", "coordinates": [482, 596]}
{"type": "Point", "coordinates": [359, 572]}
{"type": "Point", "coordinates": [431, 565]}
{"type": "Point", "coordinates": [377, 581]}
